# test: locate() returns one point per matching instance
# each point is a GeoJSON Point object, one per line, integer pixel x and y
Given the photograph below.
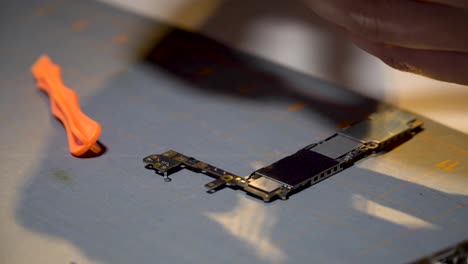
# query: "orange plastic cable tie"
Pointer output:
{"type": "Point", "coordinates": [82, 131]}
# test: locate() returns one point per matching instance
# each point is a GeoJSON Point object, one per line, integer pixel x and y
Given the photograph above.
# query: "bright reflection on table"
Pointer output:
{"type": "Point", "coordinates": [388, 214]}
{"type": "Point", "coordinates": [252, 222]}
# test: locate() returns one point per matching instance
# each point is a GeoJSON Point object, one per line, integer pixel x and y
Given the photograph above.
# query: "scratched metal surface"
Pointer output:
{"type": "Point", "coordinates": [196, 96]}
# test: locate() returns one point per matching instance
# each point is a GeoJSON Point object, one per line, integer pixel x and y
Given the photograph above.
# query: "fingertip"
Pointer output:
{"type": "Point", "coordinates": [441, 65]}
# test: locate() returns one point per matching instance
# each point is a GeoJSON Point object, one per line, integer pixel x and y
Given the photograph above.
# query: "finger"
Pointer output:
{"type": "Point", "coordinates": [454, 3]}
{"type": "Point", "coordinates": [411, 24]}
{"type": "Point", "coordinates": [441, 65]}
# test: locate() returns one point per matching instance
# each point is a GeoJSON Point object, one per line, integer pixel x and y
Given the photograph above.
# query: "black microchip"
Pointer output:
{"type": "Point", "coordinates": [298, 167]}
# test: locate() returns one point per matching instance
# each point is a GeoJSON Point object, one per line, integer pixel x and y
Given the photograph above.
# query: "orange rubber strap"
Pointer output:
{"type": "Point", "coordinates": [82, 131]}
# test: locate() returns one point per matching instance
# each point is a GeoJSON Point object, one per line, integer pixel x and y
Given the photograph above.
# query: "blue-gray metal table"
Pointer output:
{"type": "Point", "coordinates": [153, 88]}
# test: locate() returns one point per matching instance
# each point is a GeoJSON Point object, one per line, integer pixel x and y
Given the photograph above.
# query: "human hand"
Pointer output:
{"type": "Point", "coordinates": [428, 37]}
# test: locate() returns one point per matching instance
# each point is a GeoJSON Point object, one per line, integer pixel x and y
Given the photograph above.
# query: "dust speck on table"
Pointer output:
{"type": "Point", "coordinates": [62, 176]}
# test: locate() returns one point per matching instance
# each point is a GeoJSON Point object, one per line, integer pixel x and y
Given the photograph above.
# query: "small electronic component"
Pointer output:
{"type": "Point", "coordinates": [457, 254]}
{"type": "Point", "coordinates": [309, 165]}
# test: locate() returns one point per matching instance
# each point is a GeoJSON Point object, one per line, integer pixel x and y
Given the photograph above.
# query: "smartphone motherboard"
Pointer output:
{"type": "Point", "coordinates": [310, 165]}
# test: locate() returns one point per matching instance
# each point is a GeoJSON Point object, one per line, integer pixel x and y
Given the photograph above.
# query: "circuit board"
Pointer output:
{"type": "Point", "coordinates": [309, 165]}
